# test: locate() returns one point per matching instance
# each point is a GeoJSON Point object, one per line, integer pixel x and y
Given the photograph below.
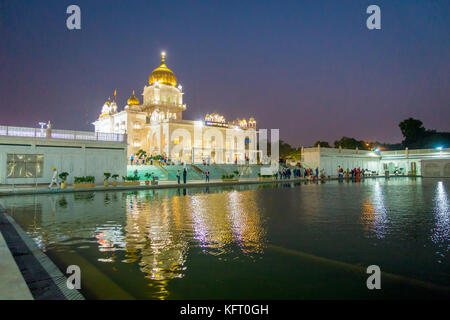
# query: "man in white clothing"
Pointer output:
{"type": "Point", "coordinates": [54, 178]}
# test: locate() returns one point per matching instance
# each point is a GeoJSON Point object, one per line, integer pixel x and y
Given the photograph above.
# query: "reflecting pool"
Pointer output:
{"type": "Point", "coordinates": [286, 241]}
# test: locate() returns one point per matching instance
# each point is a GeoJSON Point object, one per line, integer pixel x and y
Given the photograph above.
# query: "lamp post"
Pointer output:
{"type": "Point", "coordinates": [42, 124]}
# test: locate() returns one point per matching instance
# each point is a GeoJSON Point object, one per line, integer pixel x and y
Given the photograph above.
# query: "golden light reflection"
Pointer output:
{"type": "Point", "coordinates": [160, 230]}
{"type": "Point", "coordinates": [210, 223]}
{"type": "Point", "coordinates": [152, 241]}
{"type": "Point", "coordinates": [246, 223]}
{"type": "Point", "coordinates": [441, 232]}
{"type": "Point", "coordinates": [374, 215]}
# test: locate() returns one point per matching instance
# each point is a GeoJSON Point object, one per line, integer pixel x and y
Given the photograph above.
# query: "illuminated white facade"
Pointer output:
{"type": "Point", "coordinates": [157, 126]}
{"type": "Point", "coordinates": [422, 162]}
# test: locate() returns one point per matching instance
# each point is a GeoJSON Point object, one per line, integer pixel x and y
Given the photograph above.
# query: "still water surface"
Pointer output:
{"type": "Point", "coordinates": [287, 241]}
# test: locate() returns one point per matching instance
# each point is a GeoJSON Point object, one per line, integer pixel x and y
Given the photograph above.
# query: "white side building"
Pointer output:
{"type": "Point", "coordinates": [27, 155]}
{"type": "Point", "coordinates": [330, 159]}
{"type": "Point", "coordinates": [422, 162]}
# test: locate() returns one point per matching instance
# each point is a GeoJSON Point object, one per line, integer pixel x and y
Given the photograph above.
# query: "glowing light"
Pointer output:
{"type": "Point", "coordinates": [441, 231]}
{"type": "Point", "coordinates": [215, 117]}
{"type": "Point", "coordinates": [375, 212]}
{"type": "Point", "coordinates": [439, 148]}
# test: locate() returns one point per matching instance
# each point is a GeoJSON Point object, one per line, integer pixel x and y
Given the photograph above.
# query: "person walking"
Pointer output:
{"type": "Point", "coordinates": [131, 159]}
{"type": "Point", "coordinates": [184, 175]}
{"type": "Point", "coordinates": [54, 178]}
{"type": "Point", "coordinates": [207, 175]}
{"type": "Point", "coordinates": [178, 176]}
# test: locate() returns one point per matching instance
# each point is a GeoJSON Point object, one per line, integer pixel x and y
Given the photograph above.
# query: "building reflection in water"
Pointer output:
{"type": "Point", "coordinates": [154, 230]}
{"type": "Point", "coordinates": [374, 215]}
{"type": "Point", "coordinates": [210, 223]}
{"type": "Point", "coordinates": [246, 221]}
{"type": "Point", "coordinates": [161, 230]}
{"type": "Point", "coordinates": [441, 232]}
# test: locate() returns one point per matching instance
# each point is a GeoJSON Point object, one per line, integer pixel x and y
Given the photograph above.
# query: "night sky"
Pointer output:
{"type": "Point", "coordinates": [310, 68]}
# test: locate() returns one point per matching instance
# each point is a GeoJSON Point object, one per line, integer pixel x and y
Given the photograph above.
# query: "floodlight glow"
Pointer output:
{"type": "Point", "coordinates": [439, 148]}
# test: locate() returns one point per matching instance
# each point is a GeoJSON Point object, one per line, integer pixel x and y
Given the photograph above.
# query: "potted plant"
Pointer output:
{"type": "Point", "coordinates": [114, 176]}
{"type": "Point", "coordinates": [266, 176]}
{"type": "Point", "coordinates": [130, 181]}
{"type": "Point", "coordinates": [229, 177]}
{"type": "Point", "coordinates": [148, 176]}
{"type": "Point", "coordinates": [107, 175]}
{"type": "Point", "coordinates": [63, 177]}
{"type": "Point", "coordinates": [84, 182]}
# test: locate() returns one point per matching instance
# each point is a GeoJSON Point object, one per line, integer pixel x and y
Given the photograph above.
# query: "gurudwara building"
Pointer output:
{"type": "Point", "coordinates": [156, 125]}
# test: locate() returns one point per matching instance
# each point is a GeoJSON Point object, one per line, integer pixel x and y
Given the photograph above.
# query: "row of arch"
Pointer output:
{"type": "Point", "coordinates": [181, 145]}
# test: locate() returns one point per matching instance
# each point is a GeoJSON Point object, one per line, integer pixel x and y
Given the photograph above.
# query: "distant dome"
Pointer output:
{"type": "Point", "coordinates": [106, 108]}
{"type": "Point", "coordinates": [162, 74]}
{"type": "Point", "coordinates": [133, 100]}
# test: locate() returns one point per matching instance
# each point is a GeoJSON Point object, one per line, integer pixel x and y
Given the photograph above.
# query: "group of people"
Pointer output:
{"type": "Point", "coordinates": [184, 175]}
{"type": "Point", "coordinates": [135, 160]}
{"type": "Point", "coordinates": [300, 172]}
{"type": "Point", "coordinates": [354, 173]}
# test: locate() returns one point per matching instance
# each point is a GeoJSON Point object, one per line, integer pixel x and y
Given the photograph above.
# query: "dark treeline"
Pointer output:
{"type": "Point", "coordinates": [415, 135]}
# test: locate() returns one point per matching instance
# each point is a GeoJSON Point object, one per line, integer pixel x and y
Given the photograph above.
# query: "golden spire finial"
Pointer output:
{"type": "Point", "coordinates": [162, 74]}
{"type": "Point", "coordinates": [133, 101]}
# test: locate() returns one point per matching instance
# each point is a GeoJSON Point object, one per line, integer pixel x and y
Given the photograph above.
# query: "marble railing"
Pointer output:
{"type": "Point", "coordinates": [60, 134]}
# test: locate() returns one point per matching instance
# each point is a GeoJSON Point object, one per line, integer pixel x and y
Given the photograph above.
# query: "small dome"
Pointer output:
{"type": "Point", "coordinates": [133, 100]}
{"type": "Point", "coordinates": [162, 74]}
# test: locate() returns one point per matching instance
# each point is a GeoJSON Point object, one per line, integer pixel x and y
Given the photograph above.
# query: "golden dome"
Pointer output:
{"type": "Point", "coordinates": [162, 74]}
{"type": "Point", "coordinates": [133, 101]}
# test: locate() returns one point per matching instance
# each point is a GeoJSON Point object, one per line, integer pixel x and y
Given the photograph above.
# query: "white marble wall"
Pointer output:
{"type": "Point", "coordinates": [78, 158]}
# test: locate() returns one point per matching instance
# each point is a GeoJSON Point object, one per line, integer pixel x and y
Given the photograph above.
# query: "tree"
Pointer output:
{"type": "Point", "coordinates": [141, 153]}
{"type": "Point", "coordinates": [323, 144]}
{"type": "Point", "coordinates": [412, 130]}
{"type": "Point", "coordinates": [350, 143]}
{"type": "Point", "coordinates": [285, 149]}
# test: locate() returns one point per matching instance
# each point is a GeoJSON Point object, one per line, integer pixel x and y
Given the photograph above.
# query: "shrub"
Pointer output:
{"type": "Point", "coordinates": [148, 175]}
{"type": "Point", "coordinates": [78, 179]}
{"type": "Point", "coordinates": [63, 176]}
{"type": "Point", "coordinates": [115, 176]}
{"type": "Point", "coordinates": [107, 175]}
{"type": "Point", "coordinates": [130, 178]}
{"type": "Point", "coordinates": [88, 179]}
{"type": "Point", "coordinates": [227, 176]}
